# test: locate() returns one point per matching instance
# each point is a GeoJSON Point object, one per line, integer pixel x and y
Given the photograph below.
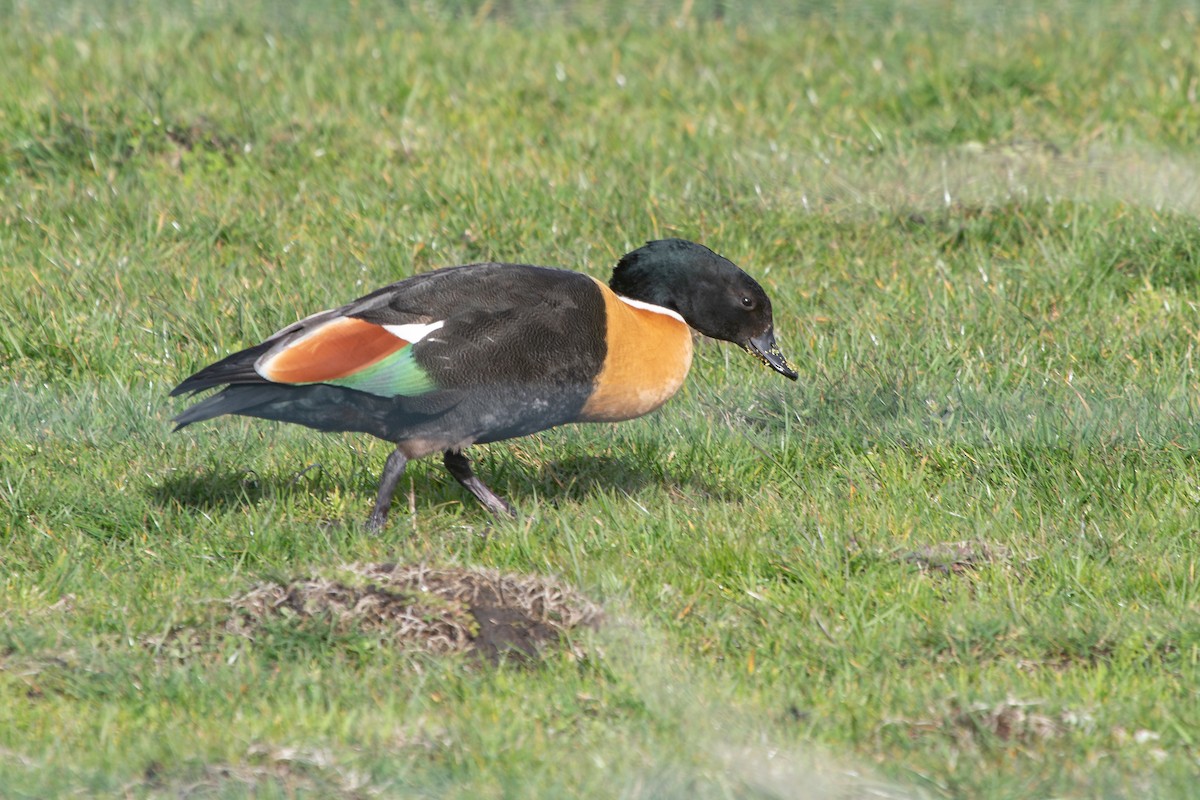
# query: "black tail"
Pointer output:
{"type": "Point", "coordinates": [238, 399]}
{"type": "Point", "coordinates": [236, 368]}
{"type": "Point", "coordinates": [319, 406]}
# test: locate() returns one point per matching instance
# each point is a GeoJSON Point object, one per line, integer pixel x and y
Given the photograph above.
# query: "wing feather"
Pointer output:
{"type": "Point", "coordinates": [350, 352]}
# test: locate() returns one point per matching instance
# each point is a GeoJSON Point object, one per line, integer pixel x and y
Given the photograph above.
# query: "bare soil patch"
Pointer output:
{"type": "Point", "coordinates": [438, 610]}
{"type": "Point", "coordinates": [952, 558]}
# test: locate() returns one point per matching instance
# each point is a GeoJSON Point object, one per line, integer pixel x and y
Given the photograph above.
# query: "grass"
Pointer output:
{"type": "Point", "coordinates": [957, 559]}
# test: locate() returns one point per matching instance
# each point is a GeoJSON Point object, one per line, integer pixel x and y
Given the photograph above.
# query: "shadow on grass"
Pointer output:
{"type": "Point", "coordinates": [553, 483]}
{"type": "Point", "coordinates": [215, 489]}
{"type": "Point", "coordinates": [579, 478]}
{"type": "Point", "coordinates": [574, 479]}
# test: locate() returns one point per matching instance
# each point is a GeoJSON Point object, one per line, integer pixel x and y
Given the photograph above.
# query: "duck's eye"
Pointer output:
{"type": "Point", "coordinates": [748, 302]}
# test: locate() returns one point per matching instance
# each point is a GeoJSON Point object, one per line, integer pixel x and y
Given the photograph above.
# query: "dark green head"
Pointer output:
{"type": "Point", "coordinates": [708, 291]}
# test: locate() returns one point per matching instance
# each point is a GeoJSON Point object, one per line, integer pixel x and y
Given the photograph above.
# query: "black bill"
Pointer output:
{"type": "Point", "coordinates": [763, 348]}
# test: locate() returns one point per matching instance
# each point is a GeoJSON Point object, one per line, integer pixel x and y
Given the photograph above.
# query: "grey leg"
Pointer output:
{"type": "Point", "coordinates": [460, 467]}
{"type": "Point", "coordinates": [392, 470]}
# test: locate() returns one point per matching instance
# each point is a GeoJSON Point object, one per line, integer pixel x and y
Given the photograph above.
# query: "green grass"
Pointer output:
{"type": "Point", "coordinates": [980, 231]}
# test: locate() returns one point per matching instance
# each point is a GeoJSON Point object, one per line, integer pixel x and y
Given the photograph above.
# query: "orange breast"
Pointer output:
{"type": "Point", "coordinates": [649, 353]}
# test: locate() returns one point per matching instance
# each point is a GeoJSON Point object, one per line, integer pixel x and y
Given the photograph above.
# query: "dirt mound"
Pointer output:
{"type": "Point", "coordinates": [953, 558]}
{"type": "Point", "coordinates": [439, 610]}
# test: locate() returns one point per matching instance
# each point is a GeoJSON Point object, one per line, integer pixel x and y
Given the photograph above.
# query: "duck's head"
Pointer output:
{"type": "Point", "coordinates": [708, 291]}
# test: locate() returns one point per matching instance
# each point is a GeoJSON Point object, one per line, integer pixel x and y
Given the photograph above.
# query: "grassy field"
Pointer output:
{"type": "Point", "coordinates": [957, 559]}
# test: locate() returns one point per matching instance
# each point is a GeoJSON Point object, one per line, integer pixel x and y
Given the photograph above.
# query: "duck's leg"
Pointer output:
{"type": "Point", "coordinates": [392, 470]}
{"type": "Point", "coordinates": [460, 467]}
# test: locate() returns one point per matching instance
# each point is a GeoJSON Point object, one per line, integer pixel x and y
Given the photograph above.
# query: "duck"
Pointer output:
{"type": "Point", "coordinates": [487, 352]}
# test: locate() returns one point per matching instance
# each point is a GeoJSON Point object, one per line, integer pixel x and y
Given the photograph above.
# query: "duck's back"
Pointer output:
{"type": "Point", "coordinates": [519, 352]}
{"type": "Point", "coordinates": [505, 325]}
{"type": "Point", "coordinates": [476, 353]}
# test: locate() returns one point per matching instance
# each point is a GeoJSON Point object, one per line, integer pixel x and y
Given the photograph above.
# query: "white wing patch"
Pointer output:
{"type": "Point", "coordinates": [414, 331]}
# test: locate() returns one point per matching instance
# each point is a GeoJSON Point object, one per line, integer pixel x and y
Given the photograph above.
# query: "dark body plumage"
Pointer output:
{"type": "Point", "coordinates": [531, 314]}
{"type": "Point", "coordinates": [488, 352]}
